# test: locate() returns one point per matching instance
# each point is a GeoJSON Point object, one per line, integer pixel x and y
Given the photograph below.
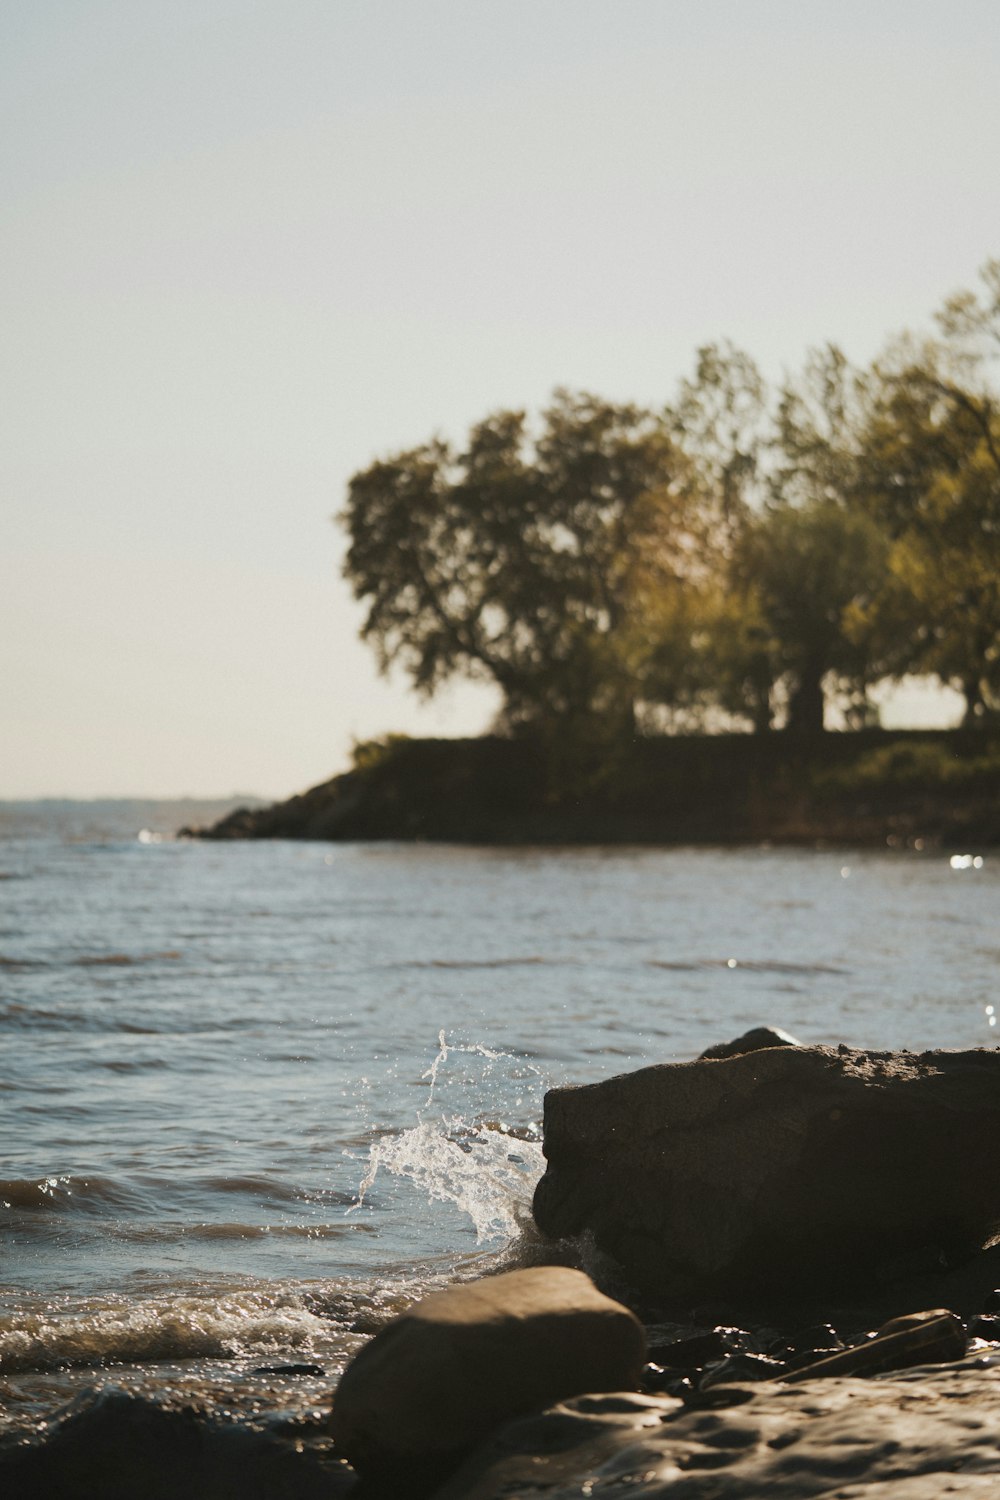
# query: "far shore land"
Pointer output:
{"type": "Point", "coordinates": [878, 789]}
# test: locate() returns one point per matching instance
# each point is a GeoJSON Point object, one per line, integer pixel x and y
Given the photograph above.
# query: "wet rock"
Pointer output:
{"type": "Point", "coordinates": [659, 1380]}
{"type": "Point", "coordinates": [677, 1367]}
{"type": "Point", "coordinates": [442, 1376]}
{"type": "Point", "coordinates": [701, 1349]}
{"type": "Point", "coordinates": [738, 1368]}
{"type": "Point", "coordinates": [924, 1435]}
{"type": "Point", "coordinates": [788, 1171]}
{"type": "Point", "coordinates": [821, 1338]}
{"type": "Point", "coordinates": [111, 1444]}
{"type": "Point", "coordinates": [754, 1040]}
{"type": "Point", "coordinates": [924, 1338]}
{"type": "Point", "coordinates": [987, 1327]}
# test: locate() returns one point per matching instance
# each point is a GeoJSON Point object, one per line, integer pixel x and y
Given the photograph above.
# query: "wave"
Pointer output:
{"type": "Point", "coordinates": [16, 1015]}
{"type": "Point", "coordinates": [145, 1206]}
{"type": "Point", "coordinates": [124, 960]}
{"type": "Point", "coordinates": [274, 1189]}
{"type": "Point", "coordinates": [62, 1192]}
{"type": "Point", "coordinates": [754, 965]}
{"type": "Point", "coordinates": [529, 960]}
{"type": "Point", "coordinates": [159, 1329]}
{"type": "Point", "coordinates": [38, 1018]}
{"type": "Point", "coordinates": [92, 960]}
{"type": "Point", "coordinates": [170, 1233]}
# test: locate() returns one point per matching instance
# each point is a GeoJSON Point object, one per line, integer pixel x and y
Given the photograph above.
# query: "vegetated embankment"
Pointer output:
{"type": "Point", "coordinates": [875, 788]}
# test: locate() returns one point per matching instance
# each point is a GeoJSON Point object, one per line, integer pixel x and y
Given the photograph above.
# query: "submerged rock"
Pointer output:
{"type": "Point", "coordinates": [790, 1170]}
{"type": "Point", "coordinates": [445, 1374]}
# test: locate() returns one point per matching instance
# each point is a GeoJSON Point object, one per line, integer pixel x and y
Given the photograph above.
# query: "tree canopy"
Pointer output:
{"type": "Point", "coordinates": [523, 557]}
{"type": "Point", "coordinates": [737, 557]}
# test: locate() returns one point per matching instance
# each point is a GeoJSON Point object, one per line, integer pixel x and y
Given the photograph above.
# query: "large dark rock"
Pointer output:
{"type": "Point", "coordinates": [115, 1444]}
{"type": "Point", "coordinates": [441, 1377]}
{"type": "Point", "coordinates": [795, 1170]}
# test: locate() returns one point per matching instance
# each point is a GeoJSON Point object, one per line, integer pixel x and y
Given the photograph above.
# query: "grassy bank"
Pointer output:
{"type": "Point", "coordinates": [875, 788]}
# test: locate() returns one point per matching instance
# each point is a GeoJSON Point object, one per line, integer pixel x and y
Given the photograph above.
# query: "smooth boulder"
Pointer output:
{"type": "Point", "coordinates": [451, 1369]}
{"type": "Point", "coordinates": [791, 1169]}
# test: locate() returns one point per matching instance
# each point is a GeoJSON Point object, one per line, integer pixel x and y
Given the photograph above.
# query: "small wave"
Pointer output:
{"type": "Point", "coordinates": [489, 963]}
{"type": "Point", "coordinates": [123, 960]}
{"type": "Point", "coordinates": [37, 1018]}
{"type": "Point", "coordinates": [754, 965]}
{"type": "Point", "coordinates": [274, 1189]}
{"type": "Point", "coordinates": [157, 1330]}
{"type": "Point", "coordinates": [135, 1065]}
{"type": "Point", "coordinates": [167, 1233]}
{"type": "Point", "coordinates": [48, 1193]}
{"type": "Point", "coordinates": [531, 959]}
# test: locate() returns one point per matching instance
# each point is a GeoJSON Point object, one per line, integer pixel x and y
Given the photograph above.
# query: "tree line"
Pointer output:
{"type": "Point", "coordinates": [737, 559]}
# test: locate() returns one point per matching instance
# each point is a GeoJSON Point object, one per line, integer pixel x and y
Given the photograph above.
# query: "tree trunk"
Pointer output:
{"type": "Point", "coordinates": [805, 711]}
{"type": "Point", "coordinates": [760, 712]}
{"type": "Point", "coordinates": [974, 705]}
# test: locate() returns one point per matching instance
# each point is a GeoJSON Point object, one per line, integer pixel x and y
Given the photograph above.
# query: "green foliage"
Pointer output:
{"type": "Point", "coordinates": [932, 472]}
{"type": "Point", "coordinates": [368, 755]}
{"type": "Point", "coordinates": [522, 559]}
{"type": "Point", "coordinates": [808, 568]}
{"type": "Point", "coordinates": [915, 766]}
{"type": "Point", "coordinates": [732, 560]}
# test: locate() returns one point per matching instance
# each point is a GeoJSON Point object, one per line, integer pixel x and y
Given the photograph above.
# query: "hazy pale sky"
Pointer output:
{"type": "Point", "coordinates": [248, 246]}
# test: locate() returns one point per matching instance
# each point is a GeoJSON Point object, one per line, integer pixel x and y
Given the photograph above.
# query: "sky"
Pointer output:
{"type": "Point", "coordinates": [250, 246]}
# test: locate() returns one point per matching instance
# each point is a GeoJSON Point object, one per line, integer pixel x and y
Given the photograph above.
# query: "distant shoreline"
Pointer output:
{"type": "Point", "coordinates": [874, 788]}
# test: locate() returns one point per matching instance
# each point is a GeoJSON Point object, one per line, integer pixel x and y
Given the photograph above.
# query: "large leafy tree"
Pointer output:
{"type": "Point", "coordinates": [932, 467]}
{"type": "Point", "coordinates": [803, 559]}
{"type": "Point", "coordinates": [720, 415]}
{"type": "Point", "coordinates": [525, 557]}
{"type": "Point", "coordinates": [707, 657]}
{"type": "Point", "coordinates": [815, 559]}
{"type": "Point", "coordinates": [807, 570]}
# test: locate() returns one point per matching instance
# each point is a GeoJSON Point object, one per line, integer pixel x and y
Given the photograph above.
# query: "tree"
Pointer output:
{"type": "Point", "coordinates": [806, 570]}
{"type": "Point", "coordinates": [720, 416]}
{"type": "Point", "coordinates": [524, 559]}
{"type": "Point", "coordinates": [932, 462]}
{"type": "Point", "coordinates": [808, 559]}
{"type": "Point", "coordinates": [704, 659]}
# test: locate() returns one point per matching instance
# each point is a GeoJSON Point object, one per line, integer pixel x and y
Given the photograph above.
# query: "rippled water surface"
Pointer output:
{"type": "Point", "coordinates": [255, 1096]}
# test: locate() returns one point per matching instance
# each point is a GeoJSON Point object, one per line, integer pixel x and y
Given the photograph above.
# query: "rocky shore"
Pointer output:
{"type": "Point", "coordinates": [800, 1297]}
{"type": "Point", "coordinates": [874, 788]}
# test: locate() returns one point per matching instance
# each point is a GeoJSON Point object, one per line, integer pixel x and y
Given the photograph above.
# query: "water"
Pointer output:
{"type": "Point", "coordinates": [256, 1097]}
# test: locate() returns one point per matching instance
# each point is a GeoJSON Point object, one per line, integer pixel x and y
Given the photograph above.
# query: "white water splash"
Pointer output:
{"type": "Point", "coordinates": [477, 1169]}
{"type": "Point", "coordinates": [485, 1169]}
{"type": "Point", "coordinates": [476, 1050]}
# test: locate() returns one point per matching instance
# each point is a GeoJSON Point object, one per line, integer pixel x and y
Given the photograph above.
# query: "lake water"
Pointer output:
{"type": "Point", "coordinates": [255, 1097]}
